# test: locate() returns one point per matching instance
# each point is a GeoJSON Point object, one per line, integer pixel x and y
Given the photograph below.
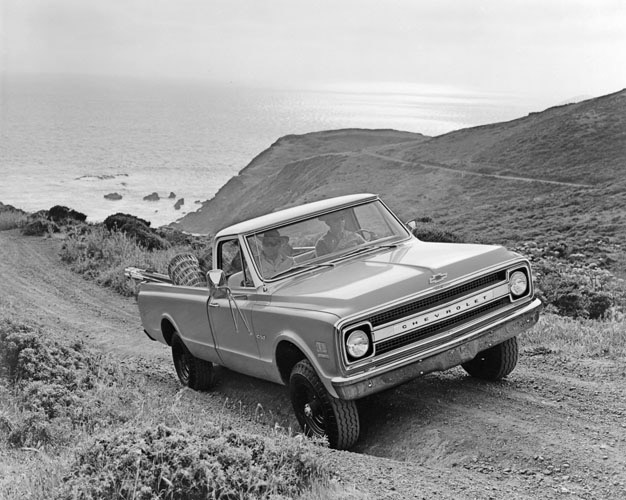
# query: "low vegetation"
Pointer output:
{"type": "Point", "coordinates": [59, 396]}
{"type": "Point", "coordinates": [572, 280]}
{"type": "Point", "coordinates": [102, 251]}
{"type": "Point", "coordinates": [11, 217]}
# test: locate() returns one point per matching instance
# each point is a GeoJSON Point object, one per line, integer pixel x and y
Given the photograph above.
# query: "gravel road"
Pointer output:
{"type": "Point", "coordinates": [554, 429]}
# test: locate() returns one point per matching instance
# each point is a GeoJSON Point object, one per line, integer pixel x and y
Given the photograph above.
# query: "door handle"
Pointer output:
{"type": "Point", "coordinates": [242, 297]}
{"type": "Point", "coordinates": [213, 304]}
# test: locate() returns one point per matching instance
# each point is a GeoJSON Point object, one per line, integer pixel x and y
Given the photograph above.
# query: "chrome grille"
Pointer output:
{"type": "Point", "coordinates": [427, 302]}
{"type": "Point", "coordinates": [428, 331]}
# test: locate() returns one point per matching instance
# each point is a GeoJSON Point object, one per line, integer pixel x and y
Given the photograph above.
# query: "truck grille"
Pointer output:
{"type": "Point", "coordinates": [430, 330]}
{"type": "Point", "coordinates": [445, 296]}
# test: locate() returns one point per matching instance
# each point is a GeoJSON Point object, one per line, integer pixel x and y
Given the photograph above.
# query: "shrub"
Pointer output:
{"type": "Point", "coordinates": [433, 232]}
{"type": "Point", "coordinates": [599, 305]}
{"type": "Point", "coordinates": [136, 228]}
{"type": "Point", "coordinates": [575, 291]}
{"type": "Point", "coordinates": [39, 227]}
{"type": "Point", "coordinates": [10, 219]}
{"type": "Point", "coordinates": [179, 238]}
{"type": "Point", "coordinates": [102, 256]}
{"type": "Point", "coordinates": [34, 429]}
{"type": "Point", "coordinates": [28, 356]}
{"type": "Point", "coordinates": [57, 388]}
{"type": "Point", "coordinates": [177, 464]}
{"type": "Point", "coordinates": [61, 214]}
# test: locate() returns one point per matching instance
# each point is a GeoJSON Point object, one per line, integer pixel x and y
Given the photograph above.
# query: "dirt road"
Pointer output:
{"type": "Point", "coordinates": [556, 428]}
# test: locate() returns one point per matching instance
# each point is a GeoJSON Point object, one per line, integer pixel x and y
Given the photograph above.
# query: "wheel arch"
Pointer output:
{"type": "Point", "coordinates": [168, 329]}
{"type": "Point", "coordinates": [288, 355]}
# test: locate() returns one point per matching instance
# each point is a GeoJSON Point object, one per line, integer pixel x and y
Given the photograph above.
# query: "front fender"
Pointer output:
{"type": "Point", "coordinates": [322, 357]}
{"type": "Point", "coordinates": [312, 332]}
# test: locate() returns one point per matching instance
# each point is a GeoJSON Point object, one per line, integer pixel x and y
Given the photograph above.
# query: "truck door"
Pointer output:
{"type": "Point", "coordinates": [230, 316]}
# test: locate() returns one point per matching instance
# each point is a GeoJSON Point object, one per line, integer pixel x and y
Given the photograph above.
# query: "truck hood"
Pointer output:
{"type": "Point", "coordinates": [367, 281]}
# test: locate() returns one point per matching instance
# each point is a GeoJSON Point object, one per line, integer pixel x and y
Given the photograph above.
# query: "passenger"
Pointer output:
{"type": "Point", "coordinates": [337, 238]}
{"type": "Point", "coordinates": [272, 259]}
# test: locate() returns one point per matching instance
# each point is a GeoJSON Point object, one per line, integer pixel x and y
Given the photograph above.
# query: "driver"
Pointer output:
{"type": "Point", "coordinates": [337, 238]}
{"type": "Point", "coordinates": [272, 259]}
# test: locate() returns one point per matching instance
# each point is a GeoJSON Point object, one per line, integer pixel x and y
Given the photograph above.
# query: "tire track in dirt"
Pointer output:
{"type": "Point", "coordinates": [38, 286]}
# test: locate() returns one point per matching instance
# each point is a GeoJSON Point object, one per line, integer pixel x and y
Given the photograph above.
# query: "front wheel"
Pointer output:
{"type": "Point", "coordinates": [192, 372]}
{"type": "Point", "coordinates": [320, 414]}
{"type": "Point", "coordinates": [494, 363]}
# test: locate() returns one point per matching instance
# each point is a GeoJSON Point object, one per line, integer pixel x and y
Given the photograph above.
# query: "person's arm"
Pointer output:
{"type": "Point", "coordinates": [321, 248]}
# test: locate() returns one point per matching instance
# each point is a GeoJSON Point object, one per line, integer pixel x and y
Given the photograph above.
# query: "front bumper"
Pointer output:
{"type": "Point", "coordinates": [459, 351]}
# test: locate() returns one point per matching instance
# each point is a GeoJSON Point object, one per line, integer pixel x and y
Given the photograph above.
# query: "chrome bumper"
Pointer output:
{"type": "Point", "coordinates": [459, 351]}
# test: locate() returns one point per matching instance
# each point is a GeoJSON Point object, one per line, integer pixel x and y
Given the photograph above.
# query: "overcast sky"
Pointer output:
{"type": "Point", "coordinates": [551, 49]}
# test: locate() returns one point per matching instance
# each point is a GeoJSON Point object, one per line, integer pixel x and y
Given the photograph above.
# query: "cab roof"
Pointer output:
{"type": "Point", "coordinates": [295, 213]}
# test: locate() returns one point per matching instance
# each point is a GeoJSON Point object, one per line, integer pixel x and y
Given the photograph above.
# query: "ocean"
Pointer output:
{"type": "Point", "coordinates": [72, 140]}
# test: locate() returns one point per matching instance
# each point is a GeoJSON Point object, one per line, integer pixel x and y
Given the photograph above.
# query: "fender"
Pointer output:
{"type": "Point", "coordinates": [321, 361]}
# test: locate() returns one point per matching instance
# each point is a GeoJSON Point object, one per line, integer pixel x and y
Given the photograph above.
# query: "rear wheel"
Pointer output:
{"type": "Point", "coordinates": [192, 372]}
{"type": "Point", "coordinates": [320, 414]}
{"type": "Point", "coordinates": [494, 363]}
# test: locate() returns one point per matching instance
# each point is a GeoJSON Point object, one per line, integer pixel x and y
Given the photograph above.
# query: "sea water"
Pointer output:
{"type": "Point", "coordinates": [72, 140]}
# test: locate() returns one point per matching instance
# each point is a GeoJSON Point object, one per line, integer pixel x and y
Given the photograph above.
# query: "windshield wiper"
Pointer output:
{"type": "Point", "coordinates": [303, 267]}
{"type": "Point", "coordinates": [365, 249]}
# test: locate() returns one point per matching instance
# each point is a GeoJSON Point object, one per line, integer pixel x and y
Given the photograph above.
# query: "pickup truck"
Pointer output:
{"type": "Point", "coordinates": [338, 300]}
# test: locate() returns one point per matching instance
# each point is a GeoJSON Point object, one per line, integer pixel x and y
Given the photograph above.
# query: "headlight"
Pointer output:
{"type": "Point", "coordinates": [518, 283]}
{"type": "Point", "coordinates": [357, 344]}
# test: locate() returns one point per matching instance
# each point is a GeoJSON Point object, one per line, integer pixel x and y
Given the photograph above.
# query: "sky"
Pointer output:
{"type": "Point", "coordinates": [549, 49]}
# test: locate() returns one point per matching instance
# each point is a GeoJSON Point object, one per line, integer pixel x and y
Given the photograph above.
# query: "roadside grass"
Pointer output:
{"type": "Point", "coordinates": [101, 255]}
{"type": "Point", "coordinates": [577, 338]}
{"type": "Point", "coordinates": [76, 424]}
{"type": "Point", "coordinates": [12, 220]}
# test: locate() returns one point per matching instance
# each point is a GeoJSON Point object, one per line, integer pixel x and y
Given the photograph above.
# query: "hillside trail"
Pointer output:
{"type": "Point", "coordinates": [554, 429]}
{"type": "Point", "coordinates": [470, 173]}
{"type": "Point", "coordinates": [372, 151]}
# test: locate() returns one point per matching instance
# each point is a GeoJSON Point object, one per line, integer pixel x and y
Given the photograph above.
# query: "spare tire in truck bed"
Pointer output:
{"type": "Point", "coordinates": [184, 270]}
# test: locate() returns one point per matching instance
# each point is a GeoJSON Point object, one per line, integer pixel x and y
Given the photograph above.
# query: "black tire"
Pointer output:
{"type": "Point", "coordinates": [320, 414]}
{"type": "Point", "coordinates": [494, 363]}
{"type": "Point", "coordinates": [184, 270]}
{"type": "Point", "coordinates": [192, 372]}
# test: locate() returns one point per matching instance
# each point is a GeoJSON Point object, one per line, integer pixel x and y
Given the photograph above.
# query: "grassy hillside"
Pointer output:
{"type": "Point", "coordinates": [582, 143]}
{"type": "Point", "coordinates": [556, 177]}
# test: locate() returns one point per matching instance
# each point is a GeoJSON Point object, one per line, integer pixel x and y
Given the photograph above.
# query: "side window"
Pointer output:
{"type": "Point", "coordinates": [229, 260]}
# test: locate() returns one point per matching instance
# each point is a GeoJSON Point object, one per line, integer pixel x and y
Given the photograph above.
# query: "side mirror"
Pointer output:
{"type": "Point", "coordinates": [216, 279]}
{"type": "Point", "coordinates": [411, 225]}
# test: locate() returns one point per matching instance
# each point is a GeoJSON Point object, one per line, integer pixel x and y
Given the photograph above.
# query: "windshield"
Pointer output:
{"type": "Point", "coordinates": [318, 240]}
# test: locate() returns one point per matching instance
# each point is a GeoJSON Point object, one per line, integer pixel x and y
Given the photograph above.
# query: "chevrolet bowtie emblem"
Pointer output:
{"type": "Point", "coordinates": [436, 278]}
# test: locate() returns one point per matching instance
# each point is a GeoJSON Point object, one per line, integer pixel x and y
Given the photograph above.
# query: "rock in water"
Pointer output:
{"type": "Point", "coordinates": [113, 196]}
{"type": "Point", "coordinates": [152, 197]}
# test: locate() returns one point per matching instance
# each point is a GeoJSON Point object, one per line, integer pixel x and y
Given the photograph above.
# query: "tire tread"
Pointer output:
{"type": "Point", "coordinates": [496, 362]}
{"type": "Point", "coordinates": [344, 422]}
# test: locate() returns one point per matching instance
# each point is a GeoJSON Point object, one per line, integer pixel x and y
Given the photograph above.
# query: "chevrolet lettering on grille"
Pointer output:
{"type": "Point", "coordinates": [444, 312]}
{"type": "Point", "coordinates": [441, 313]}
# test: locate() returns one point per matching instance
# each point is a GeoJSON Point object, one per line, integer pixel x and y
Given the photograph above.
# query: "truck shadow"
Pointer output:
{"type": "Point", "coordinates": [441, 417]}
{"type": "Point", "coordinates": [431, 418]}
{"type": "Point", "coordinates": [266, 402]}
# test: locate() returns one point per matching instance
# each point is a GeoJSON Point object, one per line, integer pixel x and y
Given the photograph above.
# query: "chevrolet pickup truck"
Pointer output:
{"type": "Point", "coordinates": [338, 300]}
